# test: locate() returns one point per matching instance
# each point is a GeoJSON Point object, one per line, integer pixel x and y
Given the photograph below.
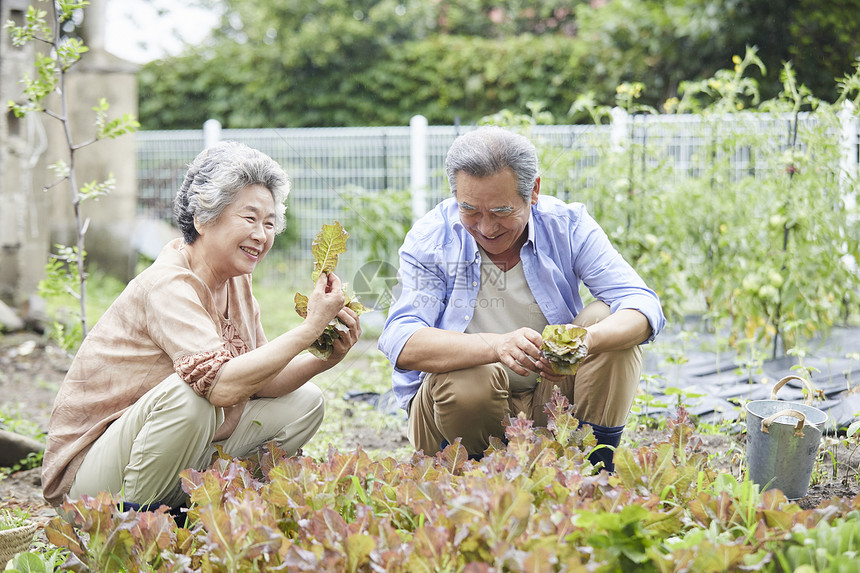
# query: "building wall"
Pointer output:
{"type": "Point", "coordinates": [108, 236]}
{"type": "Point", "coordinates": [35, 214]}
{"type": "Point", "coordinates": [24, 238]}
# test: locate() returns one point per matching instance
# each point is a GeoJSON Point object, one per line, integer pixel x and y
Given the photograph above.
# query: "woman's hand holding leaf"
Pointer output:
{"type": "Point", "coordinates": [325, 302]}
{"type": "Point", "coordinates": [328, 244]}
{"type": "Point", "coordinates": [347, 339]}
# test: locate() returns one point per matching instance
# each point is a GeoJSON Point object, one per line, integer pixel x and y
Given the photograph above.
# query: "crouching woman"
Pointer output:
{"type": "Point", "coordinates": [179, 363]}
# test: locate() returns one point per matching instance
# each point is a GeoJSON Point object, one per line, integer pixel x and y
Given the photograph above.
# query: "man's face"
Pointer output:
{"type": "Point", "coordinates": [494, 213]}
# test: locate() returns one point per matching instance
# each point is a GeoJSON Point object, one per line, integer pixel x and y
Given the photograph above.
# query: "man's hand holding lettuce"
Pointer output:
{"type": "Point", "coordinates": [564, 347]}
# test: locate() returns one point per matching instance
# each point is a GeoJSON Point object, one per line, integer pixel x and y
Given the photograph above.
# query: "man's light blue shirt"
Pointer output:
{"type": "Point", "coordinates": [440, 274]}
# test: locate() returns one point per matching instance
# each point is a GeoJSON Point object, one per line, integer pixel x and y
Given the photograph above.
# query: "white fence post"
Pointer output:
{"type": "Point", "coordinates": [418, 165]}
{"type": "Point", "coordinates": [211, 132]}
{"type": "Point", "coordinates": [618, 136]}
{"type": "Point", "coordinates": [849, 170]}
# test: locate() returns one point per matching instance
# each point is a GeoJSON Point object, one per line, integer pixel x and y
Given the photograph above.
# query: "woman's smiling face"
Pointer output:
{"type": "Point", "coordinates": [494, 213]}
{"type": "Point", "coordinates": [242, 234]}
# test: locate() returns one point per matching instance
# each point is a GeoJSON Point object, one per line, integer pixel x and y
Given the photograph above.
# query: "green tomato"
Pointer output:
{"type": "Point", "coordinates": [751, 283]}
{"type": "Point", "coordinates": [650, 240]}
{"type": "Point", "coordinates": [775, 278]}
{"type": "Point", "coordinates": [767, 292]}
{"type": "Point", "coordinates": [777, 221]}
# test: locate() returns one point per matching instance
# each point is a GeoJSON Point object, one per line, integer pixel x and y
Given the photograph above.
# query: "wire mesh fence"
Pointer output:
{"type": "Point", "coordinates": [327, 166]}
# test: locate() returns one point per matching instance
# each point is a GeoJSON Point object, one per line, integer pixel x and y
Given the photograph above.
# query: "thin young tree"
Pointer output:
{"type": "Point", "coordinates": [60, 51]}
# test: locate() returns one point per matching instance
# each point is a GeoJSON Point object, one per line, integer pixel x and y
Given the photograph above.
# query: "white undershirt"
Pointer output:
{"type": "Point", "coordinates": [504, 304]}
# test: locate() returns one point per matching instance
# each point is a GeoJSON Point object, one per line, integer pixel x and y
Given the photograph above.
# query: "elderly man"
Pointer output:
{"type": "Point", "coordinates": [481, 275]}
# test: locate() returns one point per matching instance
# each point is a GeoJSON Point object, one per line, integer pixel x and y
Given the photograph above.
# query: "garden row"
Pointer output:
{"type": "Point", "coordinates": [535, 504]}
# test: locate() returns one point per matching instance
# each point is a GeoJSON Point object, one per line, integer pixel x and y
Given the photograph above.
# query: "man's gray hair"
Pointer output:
{"type": "Point", "coordinates": [489, 150]}
{"type": "Point", "coordinates": [215, 178]}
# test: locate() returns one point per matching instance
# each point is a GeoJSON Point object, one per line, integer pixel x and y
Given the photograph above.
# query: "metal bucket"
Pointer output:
{"type": "Point", "coordinates": [782, 441]}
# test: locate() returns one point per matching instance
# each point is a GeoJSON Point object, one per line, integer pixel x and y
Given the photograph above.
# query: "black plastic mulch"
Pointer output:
{"type": "Point", "coordinates": [725, 384]}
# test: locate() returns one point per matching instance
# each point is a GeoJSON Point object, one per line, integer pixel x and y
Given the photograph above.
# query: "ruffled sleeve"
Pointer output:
{"type": "Point", "coordinates": [199, 370]}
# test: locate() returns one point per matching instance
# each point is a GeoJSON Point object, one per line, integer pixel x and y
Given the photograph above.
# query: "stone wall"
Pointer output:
{"type": "Point", "coordinates": [24, 239]}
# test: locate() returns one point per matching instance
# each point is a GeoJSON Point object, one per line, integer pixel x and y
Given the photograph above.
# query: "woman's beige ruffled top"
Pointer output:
{"type": "Point", "coordinates": [164, 322]}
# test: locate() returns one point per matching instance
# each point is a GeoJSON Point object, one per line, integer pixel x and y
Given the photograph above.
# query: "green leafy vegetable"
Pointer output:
{"type": "Point", "coordinates": [328, 244]}
{"type": "Point", "coordinates": [563, 347]}
{"type": "Point", "coordinates": [534, 499]}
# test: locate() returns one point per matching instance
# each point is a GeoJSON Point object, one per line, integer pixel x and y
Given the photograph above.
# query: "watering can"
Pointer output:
{"type": "Point", "coordinates": [782, 441]}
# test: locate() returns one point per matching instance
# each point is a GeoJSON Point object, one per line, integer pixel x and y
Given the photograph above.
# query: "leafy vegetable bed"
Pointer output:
{"type": "Point", "coordinates": [535, 504]}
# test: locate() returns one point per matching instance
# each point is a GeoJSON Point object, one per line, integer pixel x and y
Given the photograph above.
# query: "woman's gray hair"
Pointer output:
{"type": "Point", "coordinates": [217, 175]}
{"type": "Point", "coordinates": [489, 150]}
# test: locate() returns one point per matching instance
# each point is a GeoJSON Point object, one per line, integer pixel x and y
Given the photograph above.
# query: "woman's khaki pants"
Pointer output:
{"type": "Point", "coordinates": [472, 403]}
{"type": "Point", "coordinates": [140, 455]}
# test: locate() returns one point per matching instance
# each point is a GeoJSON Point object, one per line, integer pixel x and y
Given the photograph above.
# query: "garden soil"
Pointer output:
{"type": "Point", "coordinates": [31, 370]}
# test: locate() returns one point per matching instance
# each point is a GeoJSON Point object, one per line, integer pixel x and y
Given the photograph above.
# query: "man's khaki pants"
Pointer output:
{"type": "Point", "coordinates": [472, 403]}
{"type": "Point", "coordinates": [140, 455]}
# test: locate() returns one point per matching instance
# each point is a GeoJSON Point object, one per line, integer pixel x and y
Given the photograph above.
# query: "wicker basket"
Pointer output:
{"type": "Point", "coordinates": [16, 540]}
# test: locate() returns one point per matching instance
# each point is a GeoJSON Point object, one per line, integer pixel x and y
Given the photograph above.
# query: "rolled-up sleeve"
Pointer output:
{"type": "Point", "coordinates": [610, 278]}
{"type": "Point", "coordinates": [419, 304]}
{"type": "Point", "coordinates": [428, 274]}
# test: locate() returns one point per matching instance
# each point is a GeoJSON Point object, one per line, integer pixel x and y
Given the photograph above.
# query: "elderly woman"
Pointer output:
{"type": "Point", "coordinates": [179, 363]}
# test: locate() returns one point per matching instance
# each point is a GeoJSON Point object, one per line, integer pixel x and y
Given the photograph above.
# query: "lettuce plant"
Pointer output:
{"type": "Point", "coordinates": [327, 246]}
{"type": "Point", "coordinates": [533, 503]}
{"type": "Point", "coordinates": [563, 345]}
